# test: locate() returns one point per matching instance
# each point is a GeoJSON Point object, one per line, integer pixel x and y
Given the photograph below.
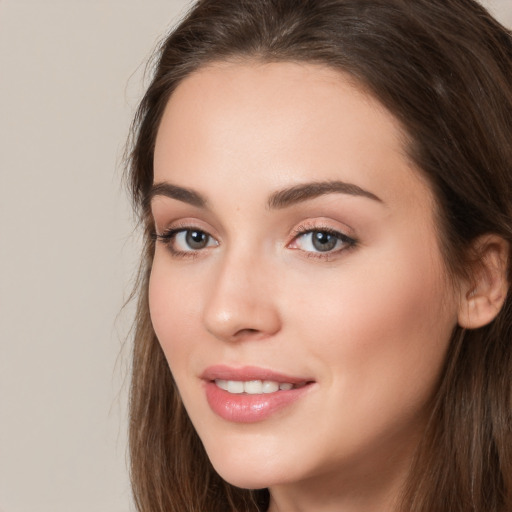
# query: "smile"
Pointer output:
{"type": "Point", "coordinates": [252, 394]}
{"type": "Point", "coordinates": [255, 387]}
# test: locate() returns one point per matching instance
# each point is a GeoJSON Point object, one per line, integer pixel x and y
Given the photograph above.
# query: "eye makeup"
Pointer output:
{"type": "Point", "coordinates": [313, 239]}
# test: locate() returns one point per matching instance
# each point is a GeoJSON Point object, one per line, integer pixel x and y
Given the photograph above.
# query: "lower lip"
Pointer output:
{"type": "Point", "coordinates": [243, 408]}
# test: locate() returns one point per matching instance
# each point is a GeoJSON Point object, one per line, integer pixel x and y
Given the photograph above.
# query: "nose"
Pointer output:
{"type": "Point", "coordinates": [241, 304]}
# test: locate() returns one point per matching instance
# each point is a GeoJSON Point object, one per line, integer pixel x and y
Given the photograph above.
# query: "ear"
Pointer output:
{"type": "Point", "coordinates": [483, 296]}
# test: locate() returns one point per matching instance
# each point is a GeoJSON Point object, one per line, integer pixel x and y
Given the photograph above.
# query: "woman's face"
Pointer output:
{"type": "Point", "coordinates": [297, 249]}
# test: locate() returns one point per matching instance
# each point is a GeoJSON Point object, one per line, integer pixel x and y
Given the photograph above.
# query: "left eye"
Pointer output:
{"type": "Point", "coordinates": [321, 241]}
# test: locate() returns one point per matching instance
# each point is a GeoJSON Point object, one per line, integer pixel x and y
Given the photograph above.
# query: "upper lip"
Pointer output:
{"type": "Point", "coordinates": [246, 373]}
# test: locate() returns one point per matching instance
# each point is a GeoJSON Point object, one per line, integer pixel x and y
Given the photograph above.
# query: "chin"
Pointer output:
{"type": "Point", "coordinates": [246, 481]}
{"type": "Point", "coordinates": [249, 470]}
{"type": "Point", "coordinates": [254, 479]}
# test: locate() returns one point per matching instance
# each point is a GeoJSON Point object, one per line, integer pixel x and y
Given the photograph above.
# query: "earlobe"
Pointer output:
{"type": "Point", "coordinates": [483, 297]}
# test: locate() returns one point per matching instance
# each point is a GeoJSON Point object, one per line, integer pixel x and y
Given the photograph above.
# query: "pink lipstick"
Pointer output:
{"type": "Point", "coordinates": [251, 394]}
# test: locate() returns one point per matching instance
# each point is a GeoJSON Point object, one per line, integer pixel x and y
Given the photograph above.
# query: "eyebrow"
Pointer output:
{"type": "Point", "coordinates": [303, 192]}
{"type": "Point", "coordinates": [277, 200]}
{"type": "Point", "coordinates": [186, 195]}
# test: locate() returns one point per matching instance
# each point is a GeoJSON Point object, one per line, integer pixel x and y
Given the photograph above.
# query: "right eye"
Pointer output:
{"type": "Point", "coordinates": [187, 240]}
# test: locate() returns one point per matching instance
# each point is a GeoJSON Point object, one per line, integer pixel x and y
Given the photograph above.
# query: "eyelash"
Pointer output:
{"type": "Point", "coordinates": [348, 243]}
{"type": "Point", "coordinates": [167, 238]}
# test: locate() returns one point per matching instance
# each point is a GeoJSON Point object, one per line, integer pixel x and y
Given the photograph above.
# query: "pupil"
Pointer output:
{"type": "Point", "coordinates": [196, 239]}
{"type": "Point", "coordinates": [323, 241]}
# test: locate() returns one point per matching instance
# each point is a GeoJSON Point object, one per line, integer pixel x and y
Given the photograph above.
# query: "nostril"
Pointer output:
{"type": "Point", "coordinates": [249, 334]}
{"type": "Point", "coordinates": [241, 332]}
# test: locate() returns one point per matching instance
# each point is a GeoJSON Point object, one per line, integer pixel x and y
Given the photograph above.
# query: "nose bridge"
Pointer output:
{"type": "Point", "coordinates": [241, 302]}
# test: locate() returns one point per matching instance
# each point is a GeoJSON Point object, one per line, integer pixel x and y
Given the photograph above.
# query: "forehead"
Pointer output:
{"type": "Point", "coordinates": [284, 123]}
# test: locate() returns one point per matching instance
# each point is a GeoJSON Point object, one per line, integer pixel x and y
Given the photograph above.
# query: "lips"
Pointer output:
{"type": "Point", "coordinates": [251, 394]}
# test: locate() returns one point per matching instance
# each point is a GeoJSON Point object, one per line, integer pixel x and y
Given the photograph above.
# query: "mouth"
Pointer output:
{"type": "Point", "coordinates": [252, 394]}
{"type": "Point", "coordinates": [256, 387]}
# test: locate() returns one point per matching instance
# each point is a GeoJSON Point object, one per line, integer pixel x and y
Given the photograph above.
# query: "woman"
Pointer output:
{"type": "Point", "coordinates": [324, 319]}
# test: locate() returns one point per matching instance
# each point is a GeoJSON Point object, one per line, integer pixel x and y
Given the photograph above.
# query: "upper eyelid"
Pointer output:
{"type": "Point", "coordinates": [183, 225]}
{"type": "Point", "coordinates": [323, 225]}
{"type": "Point", "coordinates": [326, 229]}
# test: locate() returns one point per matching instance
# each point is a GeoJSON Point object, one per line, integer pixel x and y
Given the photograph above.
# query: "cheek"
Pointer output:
{"type": "Point", "coordinates": [174, 319]}
{"type": "Point", "coordinates": [383, 329]}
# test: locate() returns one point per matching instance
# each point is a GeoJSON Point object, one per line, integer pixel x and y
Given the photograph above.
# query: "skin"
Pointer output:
{"type": "Point", "coordinates": [369, 323]}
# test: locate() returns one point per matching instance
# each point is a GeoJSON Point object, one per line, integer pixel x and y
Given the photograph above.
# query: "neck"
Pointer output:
{"type": "Point", "coordinates": [326, 497]}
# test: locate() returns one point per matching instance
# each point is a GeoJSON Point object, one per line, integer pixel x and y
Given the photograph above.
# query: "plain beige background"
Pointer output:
{"type": "Point", "coordinates": [70, 78]}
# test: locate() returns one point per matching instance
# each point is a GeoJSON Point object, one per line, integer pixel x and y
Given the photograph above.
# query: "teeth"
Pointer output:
{"type": "Point", "coordinates": [235, 386]}
{"type": "Point", "coordinates": [253, 387]}
{"type": "Point", "coordinates": [270, 386]}
{"type": "Point", "coordinates": [222, 384]}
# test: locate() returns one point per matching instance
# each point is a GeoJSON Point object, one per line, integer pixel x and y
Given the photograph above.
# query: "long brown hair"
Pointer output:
{"type": "Point", "coordinates": [444, 69]}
